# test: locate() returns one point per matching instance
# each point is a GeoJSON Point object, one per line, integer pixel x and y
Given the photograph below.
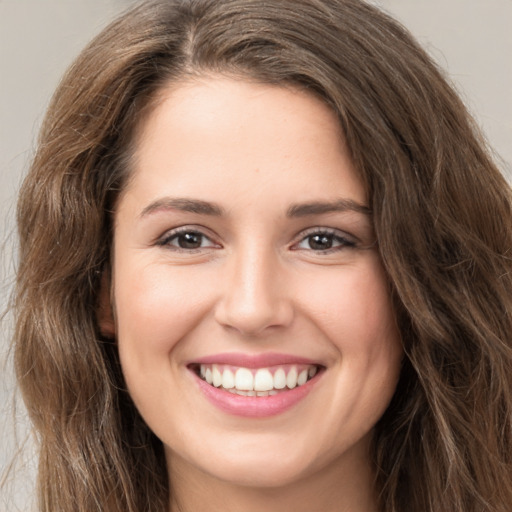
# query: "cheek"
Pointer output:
{"type": "Point", "coordinates": [353, 308]}
{"type": "Point", "coordinates": [360, 323]}
{"type": "Point", "coordinates": [354, 312]}
{"type": "Point", "coordinates": [156, 306]}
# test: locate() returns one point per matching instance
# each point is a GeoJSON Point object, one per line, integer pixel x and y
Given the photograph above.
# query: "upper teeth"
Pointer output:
{"type": "Point", "coordinates": [261, 380]}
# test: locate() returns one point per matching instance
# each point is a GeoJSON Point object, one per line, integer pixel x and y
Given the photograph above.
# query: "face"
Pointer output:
{"type": "Point", "coordinates": [252, 312]}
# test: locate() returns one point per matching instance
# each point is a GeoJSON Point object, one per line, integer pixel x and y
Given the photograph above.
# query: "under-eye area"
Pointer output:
{"type": "Point", "coordinates": [256, 381]}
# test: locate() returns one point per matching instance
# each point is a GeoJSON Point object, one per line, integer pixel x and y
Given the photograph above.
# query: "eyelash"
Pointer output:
{"type": "Point", "coordinates": [334, 237]}
{"type": "Point", "coordinates": [175, 234]}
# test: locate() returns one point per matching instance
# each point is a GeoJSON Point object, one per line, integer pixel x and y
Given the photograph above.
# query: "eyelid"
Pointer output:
{"type": "Point", "coordinates": [326, 230]}
{"type": "Point", "coordinates": [352, 241]}
{"type": "Point", "coordinates": [164, 239]}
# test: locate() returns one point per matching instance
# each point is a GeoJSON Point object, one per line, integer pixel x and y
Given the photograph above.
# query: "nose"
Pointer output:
{"type": "Point", "coordinates": [254, 294]}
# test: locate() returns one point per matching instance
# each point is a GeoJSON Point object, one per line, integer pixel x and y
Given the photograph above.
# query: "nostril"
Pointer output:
{"type": "Point", "coordinates": [254, 319]}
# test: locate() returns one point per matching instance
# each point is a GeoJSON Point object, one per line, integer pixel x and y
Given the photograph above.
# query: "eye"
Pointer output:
{"type": "Point", "coordinates": [186, 239]}
{"type": "Point", "coordinates": [325, 240]}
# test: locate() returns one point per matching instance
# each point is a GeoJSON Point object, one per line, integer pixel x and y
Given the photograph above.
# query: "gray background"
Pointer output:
{"type": "Point", "coordinates": [39, 38]}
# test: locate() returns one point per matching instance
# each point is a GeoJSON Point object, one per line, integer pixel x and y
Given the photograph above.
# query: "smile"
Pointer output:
{"type": "Point", "coordinates": [255, 386]}
{"type": "Point", "coordinates": [256, 382]}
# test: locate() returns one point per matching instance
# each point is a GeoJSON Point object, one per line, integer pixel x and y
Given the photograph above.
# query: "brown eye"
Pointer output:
{"type": "Point", "coordinates": [325, 241]}
{"type": "Point", "coordinates": [190, 240]}
{"type": "Point", "coordinates": [320, 242]}
{"type": "Point", "coordinates": [187, 240]}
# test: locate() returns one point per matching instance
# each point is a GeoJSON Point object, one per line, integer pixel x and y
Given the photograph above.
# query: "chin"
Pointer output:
{"type": "Point", "coordinates": [273, 474]}
{"type": "Point", "coordinates": [253, 468]}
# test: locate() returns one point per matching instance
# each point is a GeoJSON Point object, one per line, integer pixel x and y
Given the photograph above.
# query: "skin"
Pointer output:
{"type": "Point", "coordinates": [254, 284]}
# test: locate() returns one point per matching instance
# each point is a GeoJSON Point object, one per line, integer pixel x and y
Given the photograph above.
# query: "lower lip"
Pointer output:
{"type": "Point", "coordinates": [255, 406]}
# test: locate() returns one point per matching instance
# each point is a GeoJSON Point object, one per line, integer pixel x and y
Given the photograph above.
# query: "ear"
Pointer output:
{"type": "Point", "coordinates": [105, 312]}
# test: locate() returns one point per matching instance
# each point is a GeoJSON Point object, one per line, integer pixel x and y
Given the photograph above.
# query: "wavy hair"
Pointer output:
{"type": "Point", "coordinates": [441, 209]}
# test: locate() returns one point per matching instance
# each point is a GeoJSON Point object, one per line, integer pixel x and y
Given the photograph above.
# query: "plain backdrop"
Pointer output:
{"type": "Point", "coordinates": [39, 38]}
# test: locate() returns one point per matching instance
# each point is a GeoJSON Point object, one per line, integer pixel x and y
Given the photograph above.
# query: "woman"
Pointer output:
{"type": "Point", "coordinates": [264, 265]}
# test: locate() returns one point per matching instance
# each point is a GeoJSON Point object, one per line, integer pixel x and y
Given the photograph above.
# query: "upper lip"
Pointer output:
{"type": "Point", "coordinates": [253, 360]}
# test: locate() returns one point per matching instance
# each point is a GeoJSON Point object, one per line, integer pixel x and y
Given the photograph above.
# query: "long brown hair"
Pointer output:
{"type": "Point", "coordinates": [441, 210]}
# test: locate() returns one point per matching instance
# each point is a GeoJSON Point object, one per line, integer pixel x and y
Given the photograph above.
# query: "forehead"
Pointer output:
{"type": "Point", "coordinates": [218, 134]}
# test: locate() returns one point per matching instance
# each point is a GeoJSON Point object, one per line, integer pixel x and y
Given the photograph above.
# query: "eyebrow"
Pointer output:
{"type": "Point", "coordinates": [297, 210]}
{"type": "Point", "coordinates": [318, 208]}
{"type": "Point", "coordinates": [184, 205]}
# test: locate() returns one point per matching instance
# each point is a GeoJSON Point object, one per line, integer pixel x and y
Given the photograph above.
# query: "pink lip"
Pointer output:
{"type": "Point", "coordinates": [253, 361]}
{"type": "Point", "coordinates": [254, 406]}
{"type": "Point", "coordinates": [248, 406]}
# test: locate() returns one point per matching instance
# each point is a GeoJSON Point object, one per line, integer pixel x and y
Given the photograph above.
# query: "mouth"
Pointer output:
{"type": "Point", "coordinates": [255, 385]}
{"type": "Point", "coordinates": [256, 382]}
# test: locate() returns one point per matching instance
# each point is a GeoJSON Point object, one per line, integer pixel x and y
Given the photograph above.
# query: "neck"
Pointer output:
{"type": "Point", "coordinates": [345, 486]}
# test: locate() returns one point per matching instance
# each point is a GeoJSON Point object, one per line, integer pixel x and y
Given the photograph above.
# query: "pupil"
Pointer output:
{"type": "Point", "coordinates": [321, 242]}
{"type": "Point", "coordinates": [190, 240]}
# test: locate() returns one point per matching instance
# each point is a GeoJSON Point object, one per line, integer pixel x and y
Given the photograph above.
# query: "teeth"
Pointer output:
{"type": "Point", "coordinates": [228, 379]}
{"type": "Point", "coordinates": [302, 378]}
{"type": "Point", "coordinates": [216, 376]}
{"type": "Point", "coordinates": [260, 382]}
{"type": "Point", "coordinates": [263, 380]}
{"type": "Point", "coordinates": [291, 378]}
{"type": "Point", "coordinates": [244, 379]}
{"type": "Point", "coordinates": [279, 379]}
